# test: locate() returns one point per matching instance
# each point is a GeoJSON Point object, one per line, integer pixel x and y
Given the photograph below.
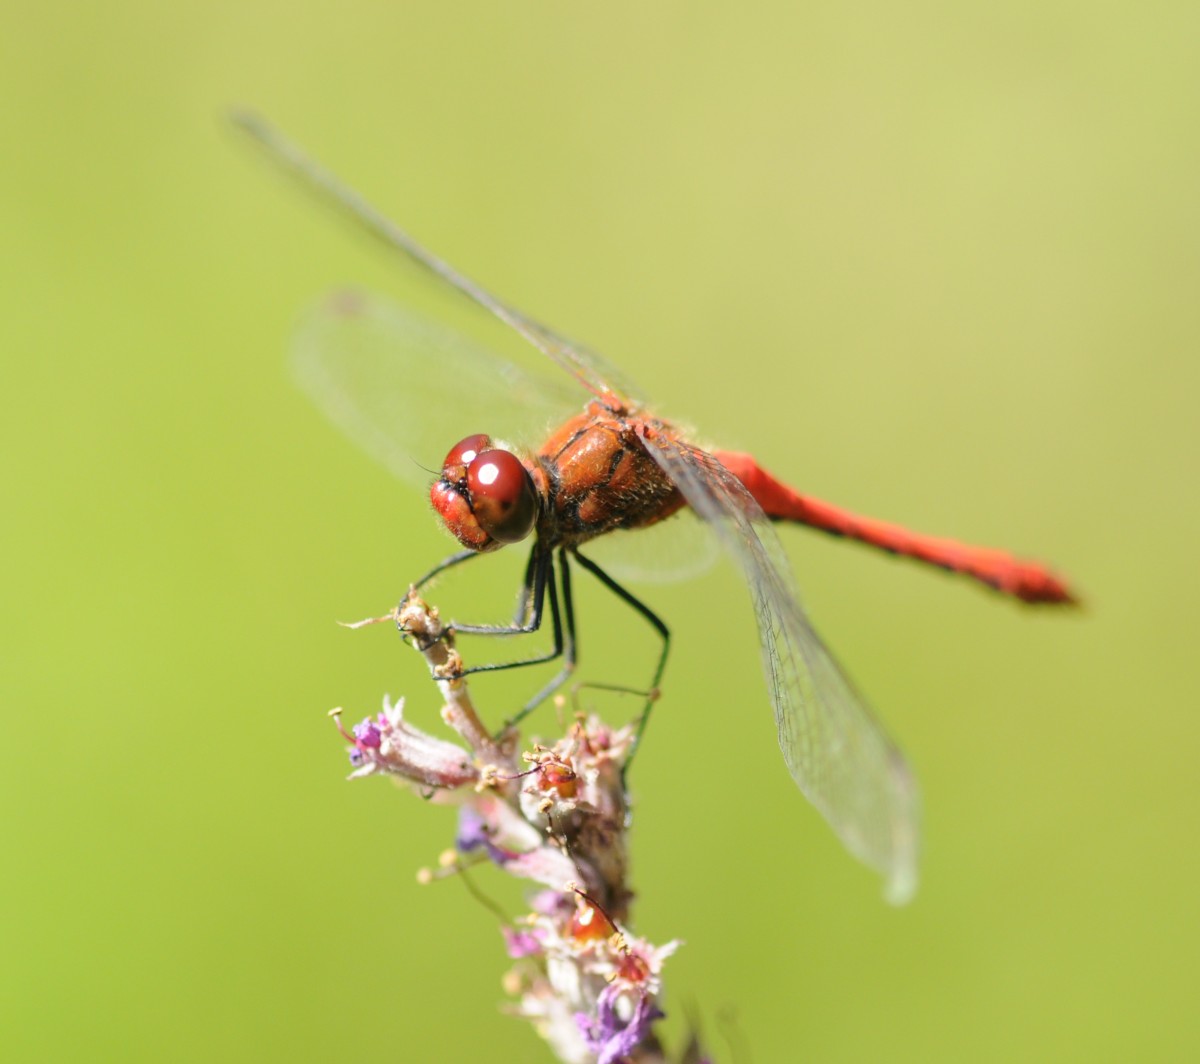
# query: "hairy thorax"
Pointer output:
{"type": "Point", "coordinates": [596, 476]}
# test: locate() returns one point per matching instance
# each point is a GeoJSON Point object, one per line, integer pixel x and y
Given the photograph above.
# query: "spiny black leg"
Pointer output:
{"type": "Point", "coordinates": [523, 599]}
{"type": "Point", "coordinates": [441, 567]}
{"type": "Point", "coordinates": [543, 581]}
{"type": "Point", "coordinates": [569, 646]}
{"type": "Point", "coordinates": [657, 624]}
{"type": "Point", "coordinates": [541, 570]}
{"type": "Point", "coordinates": [446, 563]}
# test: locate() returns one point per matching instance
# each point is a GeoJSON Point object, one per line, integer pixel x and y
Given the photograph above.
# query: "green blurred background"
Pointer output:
{"type": "Point", "coordinates": [937, 262]}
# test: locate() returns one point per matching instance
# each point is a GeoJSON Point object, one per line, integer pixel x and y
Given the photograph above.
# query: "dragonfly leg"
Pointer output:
{"type": "Point", "coordinates": [446, 563]}
{"type": "Point", "coordinates": [538, 585]}
{"type": "Point", "coordinates": [664, 633]}
{"type": "Point", "coordinates": [525, 595]}
{"type": "Point", "coordinates": [569, 646]}
{"type": "Point", "coordinates": [539, 573]}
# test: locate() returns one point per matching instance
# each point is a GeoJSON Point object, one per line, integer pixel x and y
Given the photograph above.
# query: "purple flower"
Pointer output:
{"type": "Point", "coordinates": [368, 734]}
{"type": "Point", "coordinates": [473, 833]}
{"type": "Point", "coordinates": [553, 903]}
{"type": "Point", "coordinates": [610, 1037]}
{"type": "Point", "coordinates": [521, 943]}
{"type": "Point", "coordinates": [390, 744]}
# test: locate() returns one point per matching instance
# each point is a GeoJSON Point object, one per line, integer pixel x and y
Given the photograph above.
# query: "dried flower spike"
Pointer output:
{"type": "Point", "coordinates": [555, 815]}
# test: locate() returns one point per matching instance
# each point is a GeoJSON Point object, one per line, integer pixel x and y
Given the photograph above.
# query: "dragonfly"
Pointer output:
{"type": "Point", "coordinates": [609, 470]}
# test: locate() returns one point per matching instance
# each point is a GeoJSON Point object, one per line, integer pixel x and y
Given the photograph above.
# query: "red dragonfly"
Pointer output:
{"type": "Point", "coordinates": [374, 367]}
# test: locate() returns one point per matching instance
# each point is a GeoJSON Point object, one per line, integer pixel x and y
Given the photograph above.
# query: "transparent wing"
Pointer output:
{"type": "Point", "coordinates": [590, 369]}
{"type": "Point", "coordinates": [406, 388]}
{"type": "Point", "coordinates": [680, 548]}
{"type": "Point", "coordinates": [835, 749]}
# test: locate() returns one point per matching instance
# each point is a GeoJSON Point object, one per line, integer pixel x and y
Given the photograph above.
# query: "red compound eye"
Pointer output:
{"type": "Point", "coordinates": [502, 496]}
{"type": "Point", "coordinates": [462, 454]}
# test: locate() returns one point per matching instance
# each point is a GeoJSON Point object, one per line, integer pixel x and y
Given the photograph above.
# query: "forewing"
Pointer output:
{"type": "Point", "coordinates": [407, 388]}
{"type": "Point", "coordinates": [591, 370]}
{"type": "Point", "coordinates": [835, 749]}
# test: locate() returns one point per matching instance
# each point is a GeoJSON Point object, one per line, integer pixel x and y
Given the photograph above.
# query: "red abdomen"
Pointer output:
{"type": "Point", "coordinates": [1025, 580]}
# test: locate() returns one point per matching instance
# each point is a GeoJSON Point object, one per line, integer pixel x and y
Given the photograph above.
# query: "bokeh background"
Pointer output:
{"type": "Point", "coordinates": [933, 261]}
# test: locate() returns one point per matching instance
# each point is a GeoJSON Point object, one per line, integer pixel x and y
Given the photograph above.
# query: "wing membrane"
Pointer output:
{"type": "Point", "coordinates": [590, 369]}
{"type": "Point", "coordinates": [680, 548]}
{"type": "Point", "coordinates": [835, 749]}
{"type": "Point", "coordinates": [406, 388]}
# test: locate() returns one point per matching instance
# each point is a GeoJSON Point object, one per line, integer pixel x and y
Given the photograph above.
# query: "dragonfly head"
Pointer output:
{"type": "Point", "coordinates": [485, 495]}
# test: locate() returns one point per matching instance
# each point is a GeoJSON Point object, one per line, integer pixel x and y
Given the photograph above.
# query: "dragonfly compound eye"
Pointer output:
{"type": "Point", "coordinates": [462, 454]}
{"type": "Point", "coordinates": [502, 495]}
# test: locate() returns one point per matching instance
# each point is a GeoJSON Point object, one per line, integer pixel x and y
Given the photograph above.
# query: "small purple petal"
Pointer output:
{"type": "Point", "coordinates": [521, 943]}
{"type": "Point", "coordinates": [357, 757]}
{"type": "Point", "coordinates": [551, 903]}
{"type": "Point", "coordinates": [473, 833]}
{"type": "Point", "coordinates": [607, 1035]}
{"type": "Point", "coordinates": [368, 734]}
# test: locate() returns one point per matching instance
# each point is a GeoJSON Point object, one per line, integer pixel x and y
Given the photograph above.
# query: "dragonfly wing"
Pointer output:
{"type": "Point", "coordinates": [406, 388]}
{"type": "Point", "coordinates": [835, 749]}
{"type": "Point", "coordinates": [590, 369]}
{"type": "Point", "coordinates": [680, 548]}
